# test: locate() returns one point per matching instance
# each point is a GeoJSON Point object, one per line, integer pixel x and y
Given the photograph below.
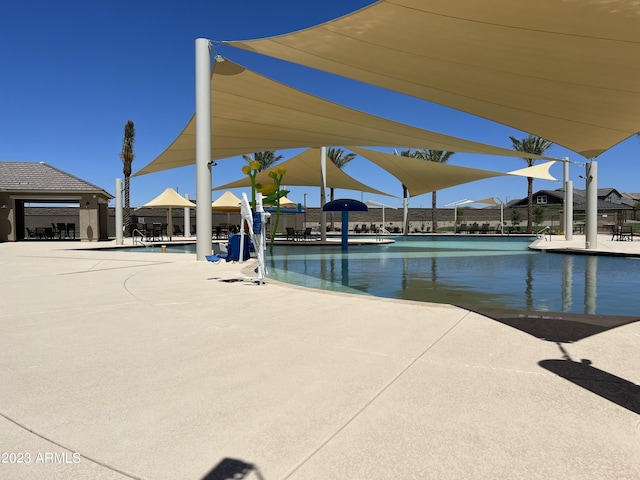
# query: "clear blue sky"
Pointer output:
{"type": "Point", "coordinates": [73, 73]}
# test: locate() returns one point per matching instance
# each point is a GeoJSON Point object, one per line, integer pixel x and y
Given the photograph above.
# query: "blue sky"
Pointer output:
{"type": "Point", "coordinates": [74, 72]}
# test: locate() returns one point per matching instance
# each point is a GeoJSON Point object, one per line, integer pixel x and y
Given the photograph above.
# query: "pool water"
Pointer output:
{"type": "Point", "coordinates": [473, 272]}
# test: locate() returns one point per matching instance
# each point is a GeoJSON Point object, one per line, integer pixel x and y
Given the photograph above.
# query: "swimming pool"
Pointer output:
{"type": "Point", "coordinates": [473, 272]}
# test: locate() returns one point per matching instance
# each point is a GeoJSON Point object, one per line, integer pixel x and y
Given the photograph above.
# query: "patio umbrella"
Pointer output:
{"type": "Point", "coordinates": [170, 199]}
{"type": "Point", "coordinates": [227, 202]}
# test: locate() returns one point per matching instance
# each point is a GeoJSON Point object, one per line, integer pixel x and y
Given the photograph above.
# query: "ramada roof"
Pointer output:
{"type": "Point", "coordinates": [40, 177]}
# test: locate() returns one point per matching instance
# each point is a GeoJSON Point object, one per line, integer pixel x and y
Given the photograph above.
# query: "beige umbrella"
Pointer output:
{"type": "Point", "coordinates": [227, 202]}
{"type": "Point", "coordinates": [170, 199]}
{"type": "Point", "coordinates": [286, 203]}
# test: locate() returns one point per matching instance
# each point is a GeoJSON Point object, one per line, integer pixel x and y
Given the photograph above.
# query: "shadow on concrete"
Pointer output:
{"type": "Point", "coordinates": [233, 469]}
{"type": "Point", "coordinates": [604, 384]}
{"type": "Point", "coordinates": [556, 327]}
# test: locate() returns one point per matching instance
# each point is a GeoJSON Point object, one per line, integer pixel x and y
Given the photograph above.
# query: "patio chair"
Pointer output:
{"type": "Point", "coordinates": [307, 233]}
{"type": "Point", "coordinates": [291, 233]}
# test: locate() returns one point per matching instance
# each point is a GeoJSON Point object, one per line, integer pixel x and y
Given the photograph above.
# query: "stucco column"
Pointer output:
{"type": "Point", "coordinates": [119, 213]}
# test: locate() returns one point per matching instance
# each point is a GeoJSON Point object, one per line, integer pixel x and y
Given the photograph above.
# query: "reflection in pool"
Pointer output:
{"type": "Point", "coordinates": [474, 272]}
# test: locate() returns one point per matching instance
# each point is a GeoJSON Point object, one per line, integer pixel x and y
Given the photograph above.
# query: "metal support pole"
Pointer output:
{"type": "Point", "coordinates": [591, 214]}
{"type": "Point", "coordinates": [323, 192]}
{"type": "Point", "coordinates": [568, 201]}
{"type": "Point", "coordinates": [203, 149]}
{"type": "Point", "coordinates": [119, 213]}
{"type": "Point", "coordinates": [187, 219]}
{"type": "Point", "coordinates": [568, 211]}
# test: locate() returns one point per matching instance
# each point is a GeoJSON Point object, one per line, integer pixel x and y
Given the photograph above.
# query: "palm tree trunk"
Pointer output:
{"type": "Point", "coordinates": [529, 204]}
{"type": "Point", "coordinates": [434, 220]}
{"type": "Point", "coordinates": [127, 208]}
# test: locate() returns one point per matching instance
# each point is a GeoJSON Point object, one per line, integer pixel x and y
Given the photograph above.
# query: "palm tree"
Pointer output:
{"type": "Point", "coordinates": [405, 190]}
{"type": "Point", "coordinates": [127, 157]}
{"type": "Point", "coordinates": [438, 156]}
{"type": "Point", "coordinates": [536, 146]}
{"type": "Point", "coordinates": [339, 159]}
{"type": "Point", "coordinates": [265, 159]}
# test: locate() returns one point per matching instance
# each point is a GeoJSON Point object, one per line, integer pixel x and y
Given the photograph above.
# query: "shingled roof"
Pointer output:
{"type": "Point", "coordinates": [40, 177]}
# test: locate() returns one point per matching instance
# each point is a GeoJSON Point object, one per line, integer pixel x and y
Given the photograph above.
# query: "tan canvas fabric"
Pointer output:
{"type": "Point", "coordinates": [170, 199]}
{"type": "Point", "coordinates": [227, 202]}
{"type": "Point", "coordinates": [303, 170]}
{"type": "Point", "coordinates": [252, 113]}
{"type": "Point", "coordinates": [565, 70]}
{"type": "Point", "coordinates": [421, 176]}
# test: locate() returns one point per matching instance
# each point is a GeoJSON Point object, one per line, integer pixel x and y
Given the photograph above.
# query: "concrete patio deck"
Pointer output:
{"type": "Point", "coordinates": [156, 366]}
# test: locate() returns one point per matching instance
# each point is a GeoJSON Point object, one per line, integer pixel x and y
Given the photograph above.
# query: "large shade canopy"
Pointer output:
{"type": "Point", "coordinates": [170, 199]}
{"type": "Point", "coordinates": [227, 202]}
{"type": "Point", "coordinates": [566, 71]}
{"type": "Point", "coordinates": [252, 113]}
{"type": "Point", "coordinates": [421, 176]}
{"type": "Point", "coordinates": [303, 170]}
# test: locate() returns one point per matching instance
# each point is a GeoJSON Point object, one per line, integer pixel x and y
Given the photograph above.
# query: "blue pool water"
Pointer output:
{"type": "Point", "coordinates": [471, 271]}
{"type": "Point", "coordinates": [475, 272]}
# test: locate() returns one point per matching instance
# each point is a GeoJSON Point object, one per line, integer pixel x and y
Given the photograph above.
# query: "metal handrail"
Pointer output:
{"type": "Point", "coordinates": [133, 235]}
{"type": "Point", "coordinates": [539, 234]}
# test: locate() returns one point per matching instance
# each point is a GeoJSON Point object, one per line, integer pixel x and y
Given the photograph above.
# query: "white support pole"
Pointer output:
{"type": "Point", "coordinates": [591, 214]}
{"type": "Point", "coordinates": [405, 216]}
{"type": "Point", "coordinates": [568, 211]}
{"type": "Point", "coordinates": [187, 219]}
{"type": "Point", "coordinates": [568, 201]}
{"type": "Point", "coordinates": [323, 193]}
{"type": "Point", "coordinates": [203, 149]}
{"type": "Point", "coordinates": [119, 213]}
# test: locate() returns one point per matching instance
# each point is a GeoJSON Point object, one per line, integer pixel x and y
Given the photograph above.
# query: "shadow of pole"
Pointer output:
{"type": "Point", "coordinates": [608, 386]}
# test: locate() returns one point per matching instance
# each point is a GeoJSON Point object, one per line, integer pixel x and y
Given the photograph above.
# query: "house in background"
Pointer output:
{"type": "Point", "coordinates": [23, 183]}
{"type": "Point", "coordinates": [614, 208]}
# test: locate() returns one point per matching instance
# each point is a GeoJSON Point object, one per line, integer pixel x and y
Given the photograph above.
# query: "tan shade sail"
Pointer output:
{"type": "Point", "coordinates": [565, 70]}
{"type": "Point", "coordinates": [252, 113]}
{"type": "Point", "coordinates": [421, 176]}
{"type": "Point", "coordinates": [170, 199]}
{"type": "Point", "coordinates": [540, 171]}
{"type": "Point", "coordinates": [227, 202]}
{"type": "Point", "coordinates": [489, 200]}
{"type": "Point", "coordinates": [303, 170]}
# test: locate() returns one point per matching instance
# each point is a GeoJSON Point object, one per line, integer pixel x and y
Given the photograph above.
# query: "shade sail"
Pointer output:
{"type": "Point", "coordinates": [540, 171]}
{"type": "Point", "coordinates": [562, 70]}
{"type": "Point", "coordinates": [303, 170]}
{"type": "Point", "coordinates": [252, 113]}
{"type": "Point", "coordinates": [421, 176]}
{"type": "Point", "coordinates": [170, 199]}
{"type": "Point", "coordinates": [227, 202]}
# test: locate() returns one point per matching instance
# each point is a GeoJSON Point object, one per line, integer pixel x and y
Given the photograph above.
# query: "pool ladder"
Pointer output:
{"type": "Point", "coordinates": [135, 238]}
{"type": "Point", "coordinates": [540, 236]}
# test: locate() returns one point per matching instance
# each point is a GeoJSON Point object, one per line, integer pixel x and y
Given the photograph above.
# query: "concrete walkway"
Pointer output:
{"type": "Point", "coordinates": [117, 365]}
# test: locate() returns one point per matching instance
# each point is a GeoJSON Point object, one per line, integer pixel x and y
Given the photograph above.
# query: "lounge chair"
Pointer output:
{"type": "Point", "coordinates": [177, 231]}
{"type": "Point", "coordinates": [291, 233]}
{"type": "Point", "coordinates": [307, 233]}
{"type": "Point", "coordinates": [462, 228]}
